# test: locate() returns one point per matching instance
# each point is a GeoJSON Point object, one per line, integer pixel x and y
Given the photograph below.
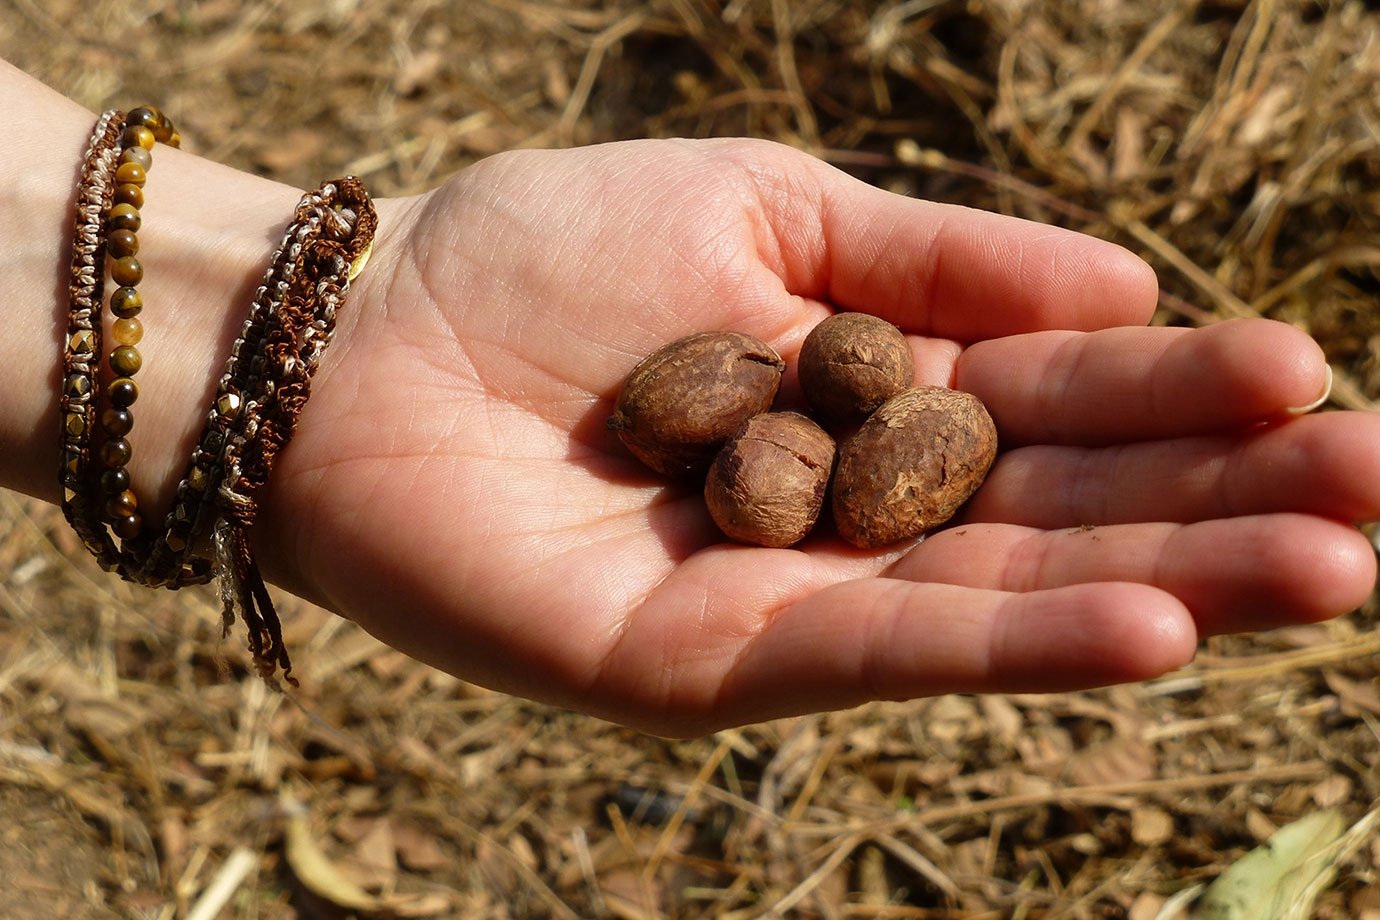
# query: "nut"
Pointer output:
{"type": "Point", "coordinates": [767, 484]}
{"type": "Point", "coordinates": [851, 363]}
{"type": "Point", "coordinates": [911, 465]}
{"type": "Point", "coordinates": [685, 399]}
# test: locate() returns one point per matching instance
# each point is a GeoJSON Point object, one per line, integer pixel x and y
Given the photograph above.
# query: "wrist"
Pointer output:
{"type": "Point", "coordinates": [207, 232]}
{"type": "Point", "coordinates": [207, 235]}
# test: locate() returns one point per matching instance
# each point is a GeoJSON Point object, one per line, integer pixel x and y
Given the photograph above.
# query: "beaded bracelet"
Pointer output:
{"type": "Point", "coordinates": [110, 193]}
{"type": "Point", "coordinates": [143, 127]}
{"type": "Point", "coordinates": [266, 382]}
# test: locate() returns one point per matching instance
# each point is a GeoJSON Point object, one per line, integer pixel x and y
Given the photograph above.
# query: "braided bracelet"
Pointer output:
{"type": "Point", "coordinates": [266, 382]}
{"type": "Point", "coordinates": [82, 346]}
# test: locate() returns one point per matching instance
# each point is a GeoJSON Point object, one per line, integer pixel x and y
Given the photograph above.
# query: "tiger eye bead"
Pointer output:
{"type": "Point", "coordinates": [131, 173]}
{"type": "Point", "coordinates": [126, 302]}
{"type": "Point", "coordinates": [166, 130]}
{"type": "Point", "coordinates": [145, 116]}
{"type": "Point", "coordinates": [139, 156]}
{"type": "Point", "coordinates": [117, 422]}
{"type": "Point", "coordinates": [126, 360]}
{"type": "Point", "coordinates": [137, 136]}
{"type": "Point", "coordinates": [175, 138]}
{"type": "Point", "coordinates": [116, 452]}
{"type": "Point", "coordinates": [124, 217]}
{"type": "Point", "coordinates": [127, 331]}
{"type": "Point", "coordinates": [131, 195]}
{"type": "Point", "coordinates": [128, 528]}
{"type": "Point", "coordinates": [123, 392]}
{"type": "Point", "coordinates": [121, 243]}
{"type": "Point", "coordinates": [127, 271]}
{"type": "Point", "coordinates": [115, 481]}
{"type": "Point", "coordinates": [121, 505]}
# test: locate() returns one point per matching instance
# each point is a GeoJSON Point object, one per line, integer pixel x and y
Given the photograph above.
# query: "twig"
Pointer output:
{"type": "Point", "coordinates": [806, 122]}
{"type": "Point", "coordinates": [232, 874]}
{"type": "Point", "coordinates": [1228, 302]}
{"type": "Point", "coordinates": [1349, 650]}
{"type": "Point", "coordinates": [1070, 795]}
{"type": "Point", "coordinates": [1152, 40]}
{"type": "Point", "coordinates": [812, 881]}
{"type": "Point", "coordinates": [910, 153]}
{"type": "Point", "coordinates": [589, 71]}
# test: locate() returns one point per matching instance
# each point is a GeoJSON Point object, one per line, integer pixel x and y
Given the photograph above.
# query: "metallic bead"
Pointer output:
{"type": "Point", "coordinates": [82, 342]}
{"type": "Point", "coordinates": [228, 404]}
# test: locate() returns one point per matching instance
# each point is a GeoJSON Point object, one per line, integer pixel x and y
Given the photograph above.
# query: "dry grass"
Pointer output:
{"type": "Point", "coordinates": [1236, 145]}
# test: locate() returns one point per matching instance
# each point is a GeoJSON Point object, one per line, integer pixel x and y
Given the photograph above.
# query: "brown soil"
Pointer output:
{"type": "Point", "coordinates": [1234, 144]}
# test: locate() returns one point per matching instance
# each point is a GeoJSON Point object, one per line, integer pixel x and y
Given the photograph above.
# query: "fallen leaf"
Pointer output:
{"type": "Point", "coordinates": [1356, 696]}
{"type": "Point", "coordinates": [1176, 908]}
{"type": "Point", "coordinates": [1045, 752]}
{"type": "Point", "coordinates": [373, 862]}
{"type": "Point", "coordinates": [1313, 636]}
{"type": "Point", "coordinates": [1281, 877]}
{"type": "Point", "coordinates": [418, 850]}
{"type": "Point", "coordinates": [1004, 720]}
{"type": "Point", "coordinates": [1259, 825]}
{"type": "Point", "coordinates": [1150, 825]}
{"type": "Point", "coordinates": [1146, 906]}
{"type": "Point", "coordinates": [1334, 790]}
{"type": "Point", "coordinates": [318, 874]}
{"type": "Point", "coordinates": [1118, 760]}
{"type": "Point", "coordinates": [425, 905]}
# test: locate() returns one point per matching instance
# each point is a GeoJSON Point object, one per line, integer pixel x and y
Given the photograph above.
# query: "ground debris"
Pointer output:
{"type": "Point", "coordinates": [1232, 144]}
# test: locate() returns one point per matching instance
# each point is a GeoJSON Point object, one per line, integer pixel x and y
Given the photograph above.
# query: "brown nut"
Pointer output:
{"type": "Point", "coordinates": [911, 465]}
{"type": "Point", "coordinates": [682, 401]}
{"type": "Point", "coordinates": [851, 363]}
{"type": "Point", "coordinates": [767, 484]}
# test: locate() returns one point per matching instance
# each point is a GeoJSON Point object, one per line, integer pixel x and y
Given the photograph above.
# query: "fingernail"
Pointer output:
{"type": "Point", "coordinates": [1317, 403]}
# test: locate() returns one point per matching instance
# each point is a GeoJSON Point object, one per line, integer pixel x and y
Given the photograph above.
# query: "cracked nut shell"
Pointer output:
{"type": "Point", "coordinates": [768, 483]}
{"type": "Point", "coordinates": [851, 363]}
{"type": "Point", "coordinates": [685, 399]}
{"type": "Point", "coordinates": [911, 465]}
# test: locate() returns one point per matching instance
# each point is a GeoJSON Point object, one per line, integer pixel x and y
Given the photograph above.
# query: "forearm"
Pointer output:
{"type": "Point", "coordinates": [206, 236]}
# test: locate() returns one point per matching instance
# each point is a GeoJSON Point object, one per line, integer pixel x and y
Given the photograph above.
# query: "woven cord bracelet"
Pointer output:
{"type": "Point", "coordinates": [266, 382]}
{"type": "Point", "coordinates": [82, 346]}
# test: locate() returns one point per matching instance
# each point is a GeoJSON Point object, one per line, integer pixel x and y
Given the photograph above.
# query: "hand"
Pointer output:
{"type": "Point", "coordinates": [453, 488]}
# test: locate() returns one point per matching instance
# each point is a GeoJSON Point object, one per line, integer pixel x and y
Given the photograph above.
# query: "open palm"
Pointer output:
{"type": "Point", "coordinates": [454, 490]}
